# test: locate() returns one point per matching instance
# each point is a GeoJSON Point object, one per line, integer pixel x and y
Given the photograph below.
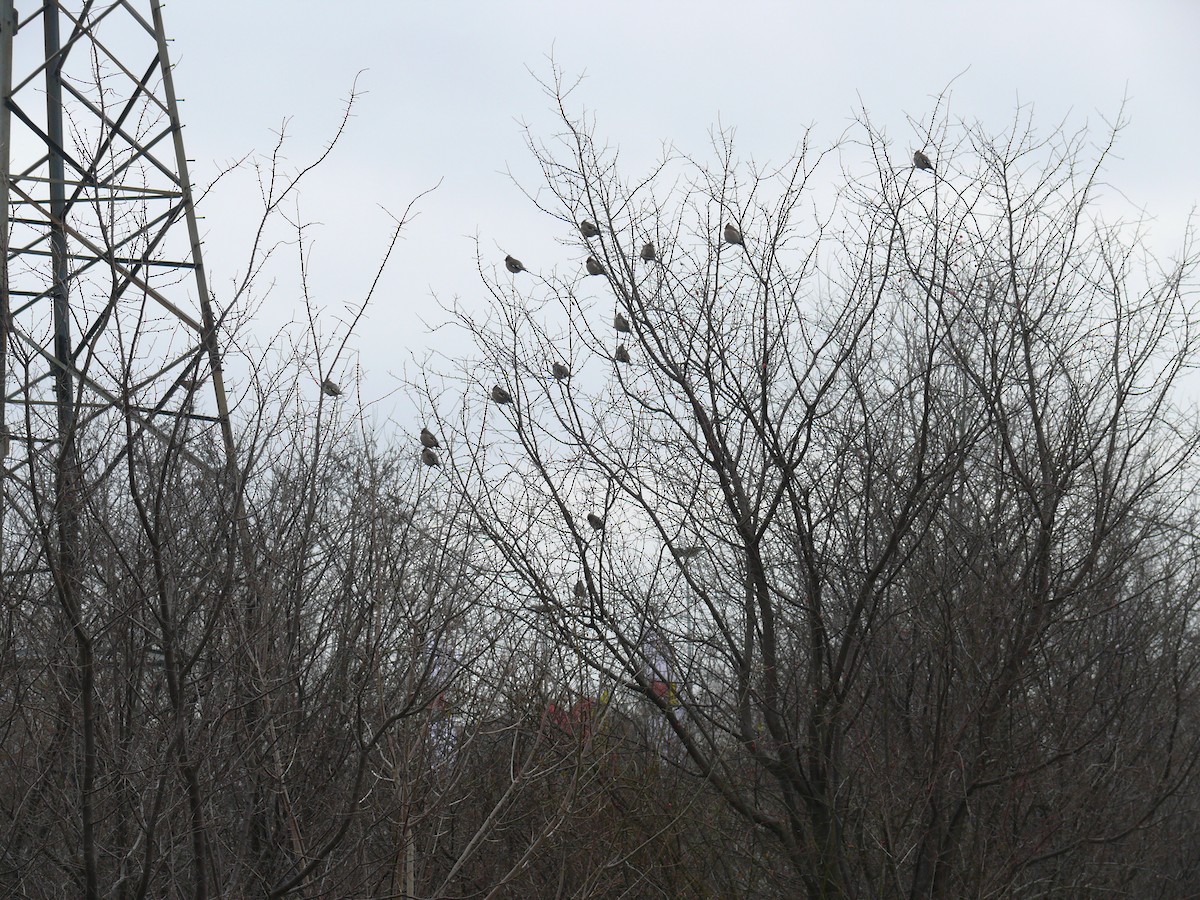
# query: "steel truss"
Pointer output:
{"type": "Point", "coordinates": [108, 336]}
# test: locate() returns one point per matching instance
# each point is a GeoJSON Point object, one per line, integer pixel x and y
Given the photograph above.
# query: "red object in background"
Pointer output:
{"type": "Point", "coordinates": [575, 721]}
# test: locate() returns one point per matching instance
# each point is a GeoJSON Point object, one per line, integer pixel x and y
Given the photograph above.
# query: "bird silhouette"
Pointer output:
{"type": "Point", "coordinates": [621, 324]}
{"type": "Point", "coordinates": [580, 589]}
{"type": "Point", "coordinates": [622, 355]}
{"type": "Point", "coordinates": [330, 388]}
{"type": "Point", "coordinates": [593, 266]}
{"type": "Point", "coordinates": [500, 395]}
{"type": "Point", "coordinates": [733, 236]}
{"type": "Point", "coordinates": [595, 521]}
{"type": "Point", "coordinates": [588, 229]}
{"type": "Point", "coordinates": [921, 161]}
{"type": "Point", "coordinates": [648, 253]}
{"type": "Point", "coordinates": [430, 458]}
{"type": "Point", "coordinates": [559, 371]}
{"type": "Point", "coordinates": [428, 439]}
{"type": "Point", "coordinates": [513, 264]}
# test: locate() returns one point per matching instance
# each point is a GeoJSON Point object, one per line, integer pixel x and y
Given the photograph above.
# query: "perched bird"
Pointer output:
{"type": "Point", "coordinates": [513, 264]}
{"type": "Point", "coordinates": [682, 553]}
{"type": "Point", "coordinates": [559, 371]}
{"type": "Point", "coordinates": [588, 229]}
{"type": "Point", "coordinates": [621, 324]}
{"type": "Point", "coordinates": [593, 266]}
{"type": "Point", "coordinates": [580, 589]}
{"type": "Point", "coordinates": [648, 251]}
{"type": "Point", "coordinates": [430, 458]}
{"type": "Point", "coordinates": [733, 236]}
{"type": "Point", "coordinates": [595, 521]}
{"type": "Point", "coordinates": [622, 355]}
{"type": "Point", "coordinates": [921, 161]}
{"type": "Point", "coordinates": [500, 395]}
{"type": "Point", "coordinates": [330, 388]}
{"type": "Point", "coordinates": [428, 439]}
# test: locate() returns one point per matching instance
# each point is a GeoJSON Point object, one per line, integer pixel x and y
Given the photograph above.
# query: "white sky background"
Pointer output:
{"type": "Point", "coordinates": [447, 85]}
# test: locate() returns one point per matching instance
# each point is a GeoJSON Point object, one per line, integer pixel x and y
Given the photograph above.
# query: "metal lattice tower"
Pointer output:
{"type": "Point", "coordinates": [107, 332]}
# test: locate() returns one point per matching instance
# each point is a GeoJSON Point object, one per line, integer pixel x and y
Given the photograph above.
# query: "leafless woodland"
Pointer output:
{"type": "Point", "coordinates": [889, 589]}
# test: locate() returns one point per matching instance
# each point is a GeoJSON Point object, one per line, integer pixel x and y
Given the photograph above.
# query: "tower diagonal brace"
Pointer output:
{"type": "Point", "coordinates": [112, 341]}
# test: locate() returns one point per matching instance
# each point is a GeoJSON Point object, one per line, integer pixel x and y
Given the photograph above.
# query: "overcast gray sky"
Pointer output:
{"type": "Point", "coordinates": [447, 86]}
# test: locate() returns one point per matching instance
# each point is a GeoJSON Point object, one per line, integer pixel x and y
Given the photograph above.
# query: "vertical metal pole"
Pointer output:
{"type": "Point", "coordinates": [8, 27]}
{"type": "Point", "coordinates": [63, 393]}
{"type": "Point", "coordinates": [67, 476]}
{"type": "Point", "coordinates": [209, 338]}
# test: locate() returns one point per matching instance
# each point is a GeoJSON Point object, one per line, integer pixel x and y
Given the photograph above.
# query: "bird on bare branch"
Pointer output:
{"type": "Point", "coordinates": [559, 371]}
{"type": "Point", "coordinates": [733, 236]}
{"type": "Point", "coordinates": [428, 439]}
{"type": "Point", "coordinates": [580, 589]}
{"type": "Point", "coordinates": [648, 253]}
{"type": "Point", "coordinates": [621, 324]}
{"type": "Point", "coordinates": [595, 521]}
{"type": "Point", "coordinates": [922, 162]}
{"type": "Point", "coordinates": [588, 229]}
{"type": "Point", "coordinates": [330, 388]}
{"type": "Point", "coordinates": [593, 266]}
{"type": "Point", "coordinates": [513, 264]}
{"type": "Point", "coordinates": [500, 395]}
{"type": "Point", "coordinates": [430, 458]}
{"type": "Point", "coordinates": [622, 355]}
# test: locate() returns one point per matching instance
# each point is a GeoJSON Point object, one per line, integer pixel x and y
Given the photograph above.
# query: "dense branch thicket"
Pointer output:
{"type": "Point", "coordinates": [899, 486]}
{"type": "Point", "coordinates": [846, 551]}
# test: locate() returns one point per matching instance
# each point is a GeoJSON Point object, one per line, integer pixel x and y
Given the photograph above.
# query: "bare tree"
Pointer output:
{"type": "Point", "coordinates": [771, 549]}
{"type": "Point", "coordinates": [886, 519]}
{"type": "Point", "coordinates": [303, 680]}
